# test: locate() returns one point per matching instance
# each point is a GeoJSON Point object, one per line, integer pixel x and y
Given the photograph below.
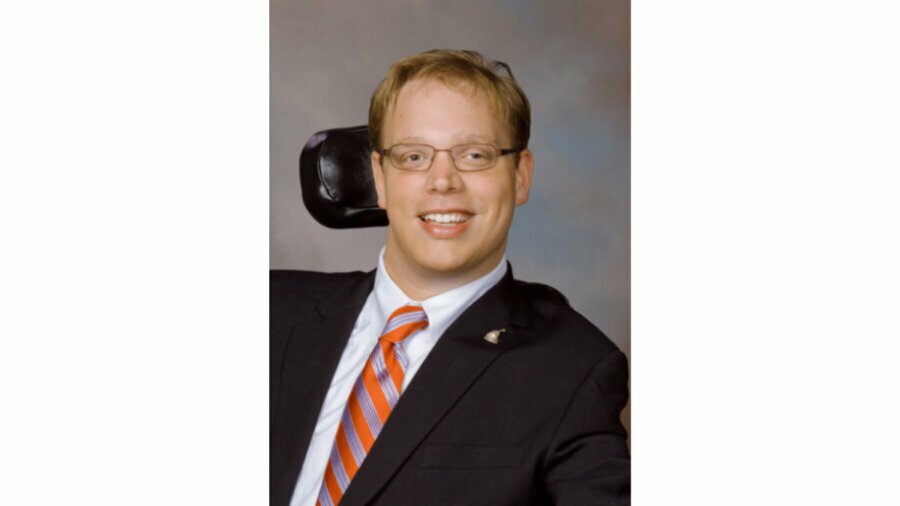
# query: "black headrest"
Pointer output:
{"type": "Point", "coordinates": [336, 179]}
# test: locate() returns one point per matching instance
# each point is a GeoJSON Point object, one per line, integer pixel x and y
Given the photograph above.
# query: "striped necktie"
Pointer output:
{"type": "Point", "coordinates": [374, 395]}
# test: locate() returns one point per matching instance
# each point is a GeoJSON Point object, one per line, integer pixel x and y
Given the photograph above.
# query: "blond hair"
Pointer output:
{"type": "Point", "coordinates": [455, 68]}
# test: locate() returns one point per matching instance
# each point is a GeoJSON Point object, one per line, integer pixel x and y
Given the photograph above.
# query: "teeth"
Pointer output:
{"type": "Point", "coordinates": [444, 218]}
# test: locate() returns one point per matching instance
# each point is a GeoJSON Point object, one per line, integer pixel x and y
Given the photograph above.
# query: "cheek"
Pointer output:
{"type": "Point", "coordinates": [399, 192]}
{"type": "Point", "coordinates": [500, 193]}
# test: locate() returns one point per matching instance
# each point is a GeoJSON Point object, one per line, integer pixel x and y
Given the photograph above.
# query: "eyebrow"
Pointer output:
{"type": "Point", "coordinates": [464, 139]}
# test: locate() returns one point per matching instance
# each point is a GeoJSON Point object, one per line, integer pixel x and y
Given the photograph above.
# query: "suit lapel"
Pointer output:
{"type": "Point", "coordinates": [457, 360]}
{"type": "Point", "coordinates": [313, 351]}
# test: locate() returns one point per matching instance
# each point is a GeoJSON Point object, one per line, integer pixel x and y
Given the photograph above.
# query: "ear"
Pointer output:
{"type": "Point", "coordinates": [378, 176]}
{"type": "Point", "coordinates": [524, 171]}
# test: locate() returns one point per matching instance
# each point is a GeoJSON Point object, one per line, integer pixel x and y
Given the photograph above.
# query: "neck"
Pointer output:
{"type": "Point", "coordinates": [420, 284]}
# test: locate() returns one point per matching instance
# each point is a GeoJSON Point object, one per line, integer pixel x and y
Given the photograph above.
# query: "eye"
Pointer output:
{"type": "Point", "coordinates": [476, 154]}
{"type": "Point", "coordinates": [410, 156]}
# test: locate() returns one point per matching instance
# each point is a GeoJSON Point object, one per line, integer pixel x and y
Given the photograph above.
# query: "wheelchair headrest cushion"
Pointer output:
{"type": "Point", "coordinates": [336, 179]}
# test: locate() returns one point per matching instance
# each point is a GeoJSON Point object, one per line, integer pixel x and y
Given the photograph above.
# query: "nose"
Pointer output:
{"type": "Point", "coordinates": [443, 177]}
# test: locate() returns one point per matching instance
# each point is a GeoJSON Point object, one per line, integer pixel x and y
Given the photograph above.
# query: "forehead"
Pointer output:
{"type": "Point", "coordinates": [434, 112]}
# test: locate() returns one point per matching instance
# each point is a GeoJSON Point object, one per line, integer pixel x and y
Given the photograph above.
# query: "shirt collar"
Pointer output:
{"type": "Point", "coordinates": [441, 309]}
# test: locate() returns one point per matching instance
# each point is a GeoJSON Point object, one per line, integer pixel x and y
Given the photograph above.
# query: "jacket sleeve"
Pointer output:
{"type": "Point", "coordinates": [588, 461]}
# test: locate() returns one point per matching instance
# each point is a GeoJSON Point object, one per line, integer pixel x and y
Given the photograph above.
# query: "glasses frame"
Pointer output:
{"type": "Point", "coordinates": [498, 151]}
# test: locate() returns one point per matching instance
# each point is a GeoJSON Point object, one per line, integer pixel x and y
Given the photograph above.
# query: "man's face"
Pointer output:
{"type": "Point", "coordinates": [446, 224]}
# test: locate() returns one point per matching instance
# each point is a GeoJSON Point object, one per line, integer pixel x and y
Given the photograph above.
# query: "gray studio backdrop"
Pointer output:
{"type": "Point", "coordinates": [572, 60]}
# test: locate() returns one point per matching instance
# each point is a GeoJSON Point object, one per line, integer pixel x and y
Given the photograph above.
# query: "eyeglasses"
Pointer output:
{"type": "Point", "coordinates": [466, 157]}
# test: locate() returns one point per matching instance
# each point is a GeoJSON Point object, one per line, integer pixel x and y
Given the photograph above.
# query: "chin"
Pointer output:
{"type": "Point", "coordinates": [455, 258]}
{"type": "Point", "coordinates": [442, 261]}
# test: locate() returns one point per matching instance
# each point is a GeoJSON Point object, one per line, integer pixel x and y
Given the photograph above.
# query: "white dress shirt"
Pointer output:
{"type": "Point", "coordinates": [442, 310]}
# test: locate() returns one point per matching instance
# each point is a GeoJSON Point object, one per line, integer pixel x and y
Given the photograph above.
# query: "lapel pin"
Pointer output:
{"type": "Point", "coordinates": [493, 336]}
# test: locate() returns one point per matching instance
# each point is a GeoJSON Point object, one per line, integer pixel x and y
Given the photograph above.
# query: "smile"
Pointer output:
{"type": "Point", "coordinates": [445, 218]}
{"type": "Point", "coordinates": [445, 225]}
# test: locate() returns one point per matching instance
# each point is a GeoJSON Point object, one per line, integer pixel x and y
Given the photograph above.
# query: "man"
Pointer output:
{"type": "Point", "coordinates": [438, 378]}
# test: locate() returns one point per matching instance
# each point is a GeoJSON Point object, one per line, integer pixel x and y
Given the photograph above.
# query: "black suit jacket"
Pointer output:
{"type": "Point", "coordinates": [533, 419]}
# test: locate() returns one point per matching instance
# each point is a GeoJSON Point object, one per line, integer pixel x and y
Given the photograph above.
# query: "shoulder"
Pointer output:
{"type": "Point", "coordinates": [303, 289]}
{"type": "Point", "coordinates": [556, 323]}
{"type": "Point", "coordinates": [309, 283]}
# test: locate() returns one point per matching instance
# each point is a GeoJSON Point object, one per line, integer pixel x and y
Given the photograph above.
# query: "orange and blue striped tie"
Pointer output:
{"type": "Point", "coordinates": [374, 395]}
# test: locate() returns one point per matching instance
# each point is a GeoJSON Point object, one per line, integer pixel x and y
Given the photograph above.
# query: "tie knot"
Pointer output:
{"type": "Point", "coordinates": [404, 322]}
